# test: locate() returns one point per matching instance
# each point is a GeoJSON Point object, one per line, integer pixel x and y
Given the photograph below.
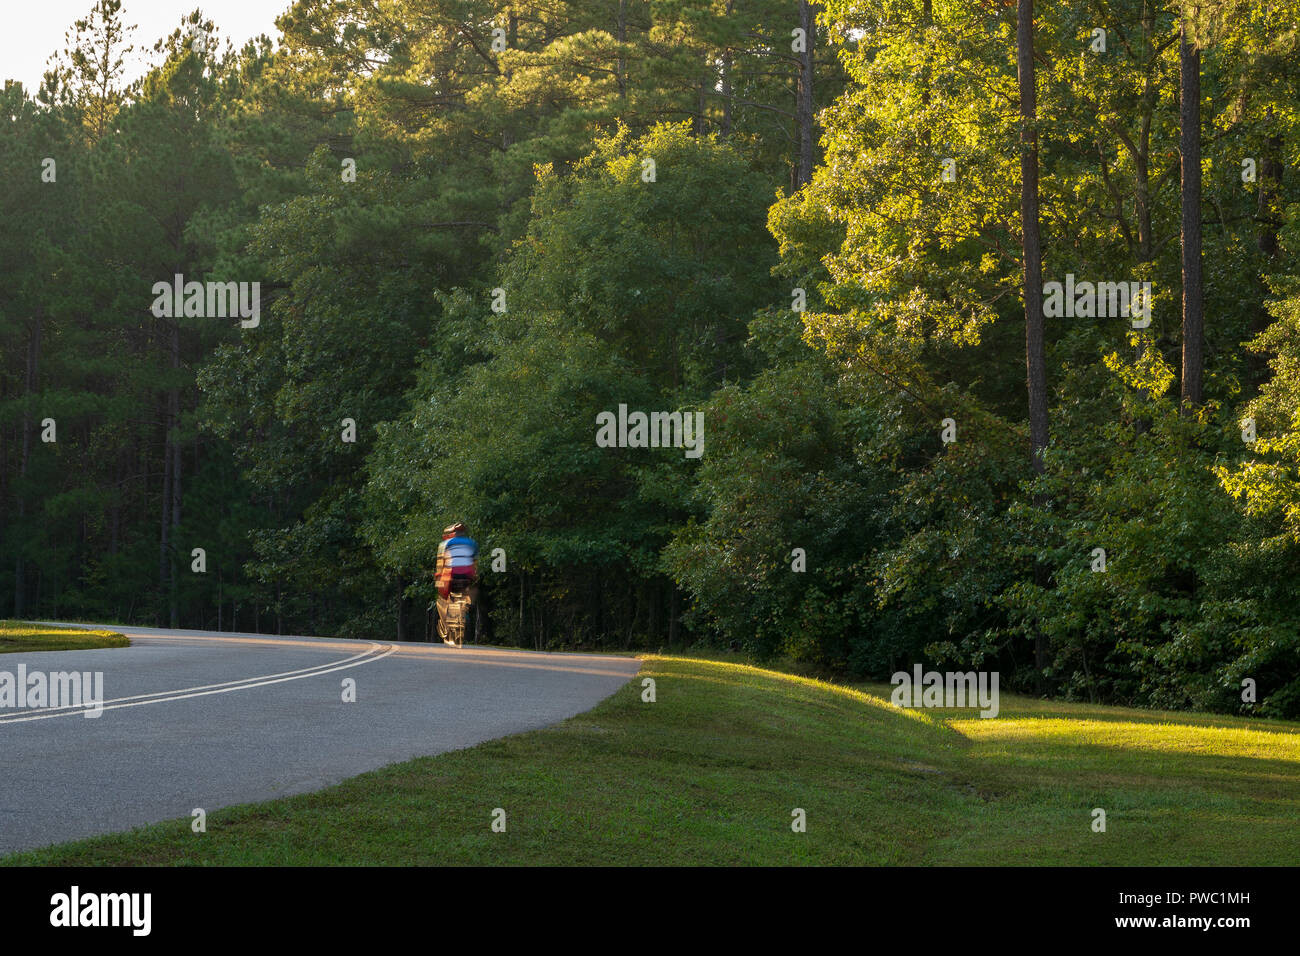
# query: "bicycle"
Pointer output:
{"type": "Point", "coordinates": [453, 612]}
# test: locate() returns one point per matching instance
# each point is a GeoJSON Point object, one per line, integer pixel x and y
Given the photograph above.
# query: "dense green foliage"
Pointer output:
{"type": "Point", "coordinates": [478, 226]}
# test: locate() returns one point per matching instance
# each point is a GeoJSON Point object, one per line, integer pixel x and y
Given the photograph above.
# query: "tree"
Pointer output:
{"type": "Point", "coordinates": [1031, 242]}
{"type": "Point", "coordinates": [620, 293]}
{"type": "Point", "coordinates": [804, 109]}
{"type": "Point", "coordinates": [95, 61]}
{"type": "Point", "coordinates": [1189, 57]}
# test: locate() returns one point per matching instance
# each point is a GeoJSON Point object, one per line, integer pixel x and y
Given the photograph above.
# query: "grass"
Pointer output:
{"type": "Point", "coordinates": [711, 772]}
{"type": "Point", "coordinates": [16, 636]}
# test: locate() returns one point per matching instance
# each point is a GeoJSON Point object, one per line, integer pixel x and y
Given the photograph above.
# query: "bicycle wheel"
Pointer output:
{"type": "Point", "coordinates": [442, 610]}
{"type": "Point", "coordinates": [458, 622]}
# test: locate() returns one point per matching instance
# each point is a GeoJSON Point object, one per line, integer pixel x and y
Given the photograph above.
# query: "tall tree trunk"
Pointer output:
{"type": "Point", "coordinates": [1142, 161]}
{"type": "Point", "coordinates": [674, 614]}
{"type": "Point", "coordinates": [512, 41]}
{"type": "Point", "coordinates": [804, 102]}
{"type": "Point", "coordinates": [401, 610]}
{"type": "Point", "coordinates": [29, 390]}
{"type": "Point", "coordinates": [1142, 182]}
{"type": "Point", "coordinates": [1032, 252]}
{"type": "Point", "coordinates": [701, 107]}
{"type": "Point", "coordinates": [1032, 256]}
{"type": "Point", "coordinates": [1270, 187]}
{"type": "Point", "coordinates": [927, 20]}
{"type": "Point", "coordinates": [621, 71]}
{"type": "Point", "coordinates": [115, 505]}
{"type": "Point", "coordinates": [725, 129]}
{"type": "Point", "coordinates": [726, 87]}
{"type": "Point", "coordinates": [652, 611]}
{"type": "Point", "coordinates": [1267, 217]}
{"type": "Point", "coordinates": [174, 413]}
{"type": "Point", "coordinates": [164, 531]}
{"type": "Point", "coordinates": [1193, 302]}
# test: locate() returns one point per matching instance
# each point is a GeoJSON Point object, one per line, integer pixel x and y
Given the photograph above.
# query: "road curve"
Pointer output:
{"type": "Point", "coordinates": [206, 719]}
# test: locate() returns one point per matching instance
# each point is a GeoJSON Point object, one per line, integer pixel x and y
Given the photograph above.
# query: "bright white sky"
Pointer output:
{"type": "Point", "coordinates": [33, 29]}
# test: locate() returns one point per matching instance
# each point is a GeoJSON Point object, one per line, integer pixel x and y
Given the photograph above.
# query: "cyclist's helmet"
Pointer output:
{"type": "Point", "coordinates": [453, 529]}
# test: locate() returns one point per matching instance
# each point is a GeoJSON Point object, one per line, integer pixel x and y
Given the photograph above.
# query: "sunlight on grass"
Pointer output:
{"type": "Point", "coordinates": [16, 636]}
{"type": "Point", "coordinates": [842, 690]}
{"type": "Point", "coordinates": [1165, 738]}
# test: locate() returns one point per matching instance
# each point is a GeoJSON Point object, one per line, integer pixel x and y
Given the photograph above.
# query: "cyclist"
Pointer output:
{"type": "Point", "coordinates": [457, 567]}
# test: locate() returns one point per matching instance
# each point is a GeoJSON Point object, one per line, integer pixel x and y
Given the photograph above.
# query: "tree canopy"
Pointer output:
{"type": "Point", "coordinates": [454, 234]}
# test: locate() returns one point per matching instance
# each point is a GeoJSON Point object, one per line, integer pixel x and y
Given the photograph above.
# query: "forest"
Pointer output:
{"type": "Point", "coordinates": [984, 316]}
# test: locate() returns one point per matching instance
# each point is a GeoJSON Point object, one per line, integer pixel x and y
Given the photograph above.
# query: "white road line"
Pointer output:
{"type": "Point", "coordinates": [205, 690]}
{"type": "Point", "coordinates": [305, 671]}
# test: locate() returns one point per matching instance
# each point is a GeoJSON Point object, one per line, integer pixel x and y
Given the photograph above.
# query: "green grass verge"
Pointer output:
{"type": "Point", "coordinates": [18, 636]}
{"type": "Point", "coordinates": [711, 772]}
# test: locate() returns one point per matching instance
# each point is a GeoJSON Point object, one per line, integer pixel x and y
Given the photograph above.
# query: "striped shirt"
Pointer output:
{"type": "Point", "coordinates": [460, 554]}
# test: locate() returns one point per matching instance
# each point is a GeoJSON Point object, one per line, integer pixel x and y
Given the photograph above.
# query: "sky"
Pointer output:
{"type": "Point", "coordinates": [33, 29]}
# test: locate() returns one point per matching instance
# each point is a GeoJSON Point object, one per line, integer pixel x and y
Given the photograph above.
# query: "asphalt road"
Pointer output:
{"type": "Point", "coordinates": [204, 719]}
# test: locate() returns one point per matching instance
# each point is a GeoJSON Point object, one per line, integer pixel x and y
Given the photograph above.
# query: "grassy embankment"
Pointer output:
{"type": "Point", "coordinates": [16, 636]}
{"type": "Point", "coordinates": [711, 772]}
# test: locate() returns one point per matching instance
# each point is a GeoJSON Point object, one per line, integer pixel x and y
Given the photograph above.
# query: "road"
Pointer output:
{"type": "Point", "coordinates": [205, 719]}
